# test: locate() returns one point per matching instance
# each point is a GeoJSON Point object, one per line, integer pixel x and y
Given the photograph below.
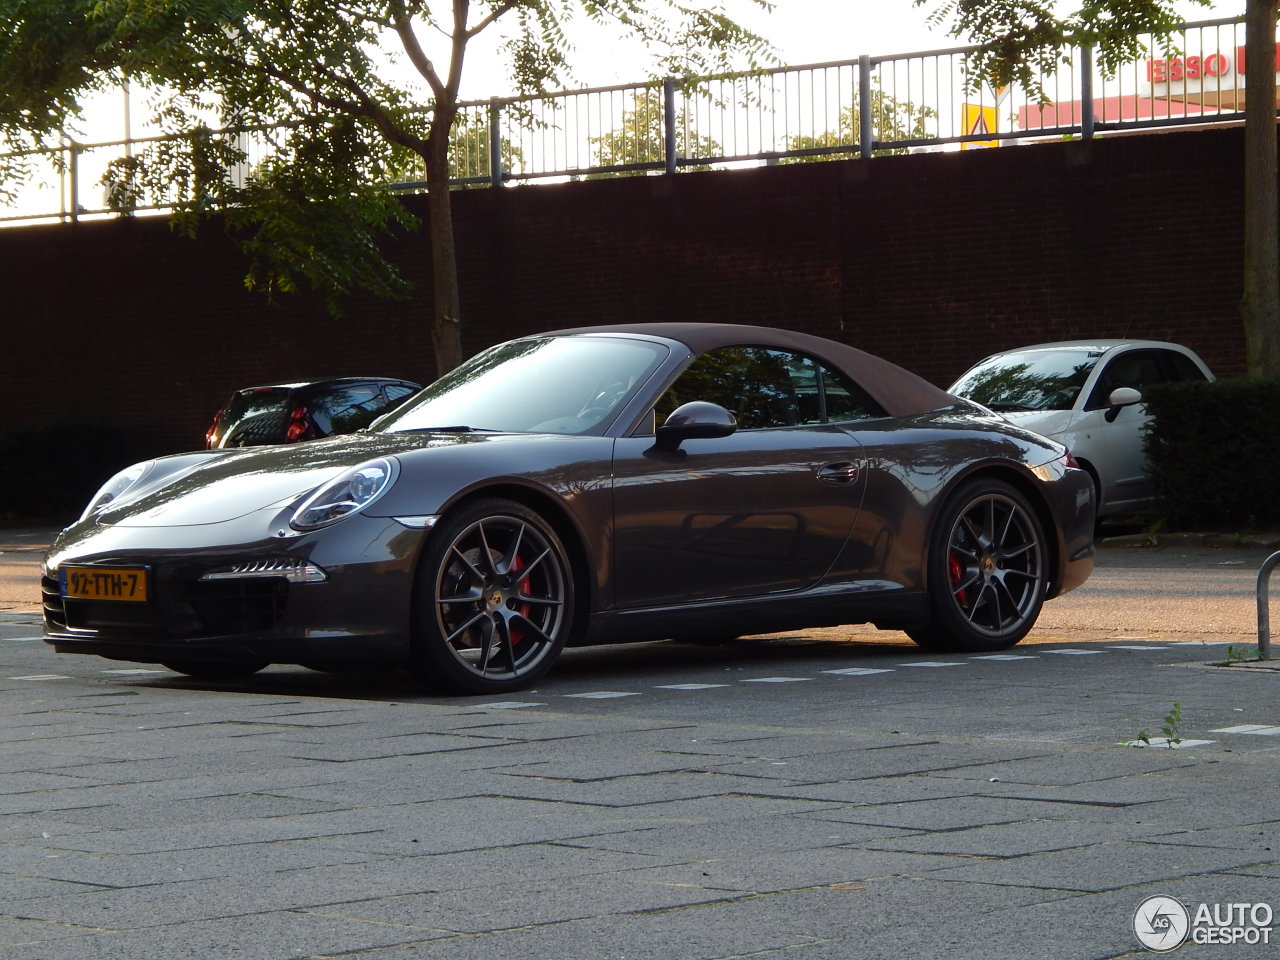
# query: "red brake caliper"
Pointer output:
{"type": "Point", "coordinates": [517, 632]}
{"type": "Point", "coordinates": [956, 570]}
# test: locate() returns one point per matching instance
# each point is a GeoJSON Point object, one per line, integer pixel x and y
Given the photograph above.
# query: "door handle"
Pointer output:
{"type": "Point", "coordinates": [846, 471]}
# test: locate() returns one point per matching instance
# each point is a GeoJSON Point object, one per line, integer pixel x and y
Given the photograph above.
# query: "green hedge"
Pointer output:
{"type": "Point", "coordinates": [48, 472]}
{"type": "Point", "coordinates": [1214, 452]}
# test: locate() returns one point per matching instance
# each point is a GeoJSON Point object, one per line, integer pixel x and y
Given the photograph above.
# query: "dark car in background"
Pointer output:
{"type": "Point", "coordinates": [292, 412]}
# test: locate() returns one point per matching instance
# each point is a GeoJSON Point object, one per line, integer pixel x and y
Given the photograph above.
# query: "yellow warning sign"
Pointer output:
{"type": "Point", "coordinates": [978, 119]}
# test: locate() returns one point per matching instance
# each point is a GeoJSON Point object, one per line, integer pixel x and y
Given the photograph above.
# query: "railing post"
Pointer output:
{"type": "Point", "coordinates": [1264, 607]}
{"type": "Point", "coordinates": [1087, 118]}
{"type": "Point", "coordinates": [495, 142]}
{"type": "Point", "coordinates": [866, 134]}
{"type": "Point", "coordinates": [73, 169]}
{"type": "Point", "coordinates": [669, 124]}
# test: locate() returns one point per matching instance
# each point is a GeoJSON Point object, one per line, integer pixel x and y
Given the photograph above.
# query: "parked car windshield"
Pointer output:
{"type": "Point", "coordinates": [547, 385]}
{"type": "Point", "coordinates": [1032, 380]}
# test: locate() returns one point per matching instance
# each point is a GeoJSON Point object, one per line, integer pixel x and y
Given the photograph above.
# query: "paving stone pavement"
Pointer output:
{"type": "Point", "coordinates": [816, 796]}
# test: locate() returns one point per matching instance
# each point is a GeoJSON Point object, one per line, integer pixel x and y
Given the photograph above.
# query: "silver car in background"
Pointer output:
{"type": "Point", "coordinates": [1087, 395]}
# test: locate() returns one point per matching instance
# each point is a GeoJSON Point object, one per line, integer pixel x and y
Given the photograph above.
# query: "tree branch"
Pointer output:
{"type": "Point", "coordinates": [362, 106]}
{"type": "Point", "coordinates": [494, 15]}
{"type": "Point", "coordinates": [402, 23]}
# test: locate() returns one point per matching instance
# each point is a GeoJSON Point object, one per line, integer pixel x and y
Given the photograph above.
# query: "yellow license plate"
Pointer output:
{"type": "Point", "coordinates": [105, 583]}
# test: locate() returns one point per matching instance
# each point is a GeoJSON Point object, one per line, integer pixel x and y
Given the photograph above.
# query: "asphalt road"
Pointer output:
{"type": "Point", "coordinates": [823, 795]}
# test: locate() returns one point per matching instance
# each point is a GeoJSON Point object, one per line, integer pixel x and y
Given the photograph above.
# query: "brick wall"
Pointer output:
{"type": "Point", "coordinates": [932, 261]}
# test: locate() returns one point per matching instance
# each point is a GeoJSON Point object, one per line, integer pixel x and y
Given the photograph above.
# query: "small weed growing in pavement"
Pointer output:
{"type": "Point", "coordinates": [1240, 654]}
{"type": "Point", "coordinates": [1169, 728]}
{"type": "Point", "coordinates": [1171, 721]}
{"type": "Point", "coordinates": [1151, 535]}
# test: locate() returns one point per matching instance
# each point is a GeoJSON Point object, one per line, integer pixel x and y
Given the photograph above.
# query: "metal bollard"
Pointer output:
{"type": "Point", "coordinates": [1264, 609]}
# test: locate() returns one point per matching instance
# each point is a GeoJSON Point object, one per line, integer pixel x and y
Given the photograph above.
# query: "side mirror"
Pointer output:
{"type": "Point", "coordinates": [696, 420]}
{"type": "Point", "coordinates": [1121, 397]}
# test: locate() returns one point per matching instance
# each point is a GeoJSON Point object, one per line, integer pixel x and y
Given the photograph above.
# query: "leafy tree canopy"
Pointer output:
{"type": "Point", "coordinates": [336, 93]}
{"type": "Point", "coordinates": [641, 136]}
{"type": "Point", "coordinates": [1023, 39]}
{"type": "Point", "coordinates": [891, 119]}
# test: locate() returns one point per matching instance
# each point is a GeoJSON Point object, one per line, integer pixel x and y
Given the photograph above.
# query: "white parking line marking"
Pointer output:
{"type": "Point", "coordinates": [135, 672]}
{"type": "Point", "coordinates": [43, 676]}
{"type": "Point", "coordinates": [1154, 646]}
{"type": "Point", "coordinates": [601, 695]}
{"type": "Point", "coordinates": [22, 639]}
{"type": "Point", "coordinates": [1006, 656]}
{"type": "Point", "coordinates": [1075, 653]}
{"type": "Point", "coordinates": [1259, 729]}
{"type": "Point", "coordinates": [776, 679]}
{"type": "Point", "coordinates": [689, 686]}
{"type": "Point", "coordinates": [856, 671]}
{"type": "Point", "coordinates": [1164, 742]}
{"type": "Point", "coordinates": [509, 705]}
{"type": "Point", "coordinates": [932, 663]}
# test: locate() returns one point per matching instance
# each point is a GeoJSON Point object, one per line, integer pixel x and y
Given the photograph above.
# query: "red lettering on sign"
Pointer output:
{"type": "Point", "coordinates": [1216, 64]}
{"type": "Point", "coordinates": [1155, 71]}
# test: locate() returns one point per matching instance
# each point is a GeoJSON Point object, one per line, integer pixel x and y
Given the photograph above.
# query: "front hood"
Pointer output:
{"type": "Point", "coordinates": [226, 488]}
{"type": "Point", "coordinates": [1047, 423]}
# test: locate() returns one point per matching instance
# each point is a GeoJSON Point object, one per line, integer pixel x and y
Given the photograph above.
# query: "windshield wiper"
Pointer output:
{"type": "Point", "coordinates": [454, 428]}
{"type": "Point", "coordinates": [1007, 407]}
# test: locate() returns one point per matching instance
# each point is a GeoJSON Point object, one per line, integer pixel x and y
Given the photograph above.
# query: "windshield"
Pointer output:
{"type": "Point", "coordinates": [1034, 380]}
{"type": "Point", "coordinates": [549, 385]}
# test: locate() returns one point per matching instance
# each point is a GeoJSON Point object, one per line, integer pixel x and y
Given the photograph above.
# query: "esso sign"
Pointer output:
{"type": "Point", "coordinates": [1200, 66]}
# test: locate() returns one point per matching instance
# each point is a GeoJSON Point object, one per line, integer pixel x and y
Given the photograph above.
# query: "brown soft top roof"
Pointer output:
{"type": "Point", "coordinates": [901, 392]}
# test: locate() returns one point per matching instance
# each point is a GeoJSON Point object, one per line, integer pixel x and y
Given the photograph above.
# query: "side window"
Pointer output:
{"type": "Point", "coordinates": [1136, 368]}
{"type": "Point", "coordinates": [396, 392]}
{"type": "Point", "coordinates": [846, 400]}
{"type": "Point", "coordinates": [768, 388]}
{"type": "Point", "coordinates": [349, 408]}
{"type": "Point", "coordinates": [1178, 366]}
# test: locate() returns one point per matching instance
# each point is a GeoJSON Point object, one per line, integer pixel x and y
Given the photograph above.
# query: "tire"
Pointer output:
{"type": "Point", "coordinates": [493, 600]}
{"type": "Point", "coordinates": [987, 570]}
{"type": "Point", "coordinates": [226, 670]}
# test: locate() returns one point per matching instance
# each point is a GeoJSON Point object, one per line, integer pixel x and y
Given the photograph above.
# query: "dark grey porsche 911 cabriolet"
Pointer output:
{"type": "Point", "coordinates": [585, 486]}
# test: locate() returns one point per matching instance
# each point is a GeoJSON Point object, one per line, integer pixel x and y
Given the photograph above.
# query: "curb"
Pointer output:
{"type": "Point", "coordinates": [1213, 541]}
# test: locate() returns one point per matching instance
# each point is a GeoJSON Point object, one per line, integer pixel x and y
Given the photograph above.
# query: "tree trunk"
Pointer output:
{"type": "Point", "coordinates": [1260, 306]}
{"type": "Point", "coordinates": [446, 329]}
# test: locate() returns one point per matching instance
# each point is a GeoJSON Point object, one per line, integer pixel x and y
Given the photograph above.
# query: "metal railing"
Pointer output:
{"type": "Point", "coordinates": [1264, 606]}
{"type": "Point", "coordinates": [866, 107]}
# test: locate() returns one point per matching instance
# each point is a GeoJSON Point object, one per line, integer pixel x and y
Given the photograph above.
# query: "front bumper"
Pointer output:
{"type": "Point", "coordinates": [1072, 501]}
{"type": "Point", "coordinates": [359, 613]}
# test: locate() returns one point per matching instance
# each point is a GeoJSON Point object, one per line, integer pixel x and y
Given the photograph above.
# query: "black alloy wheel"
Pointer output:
{"type": "Point", "coordinates": [987, 570]}
{"type": "Point", "coordinates": [494, 600]}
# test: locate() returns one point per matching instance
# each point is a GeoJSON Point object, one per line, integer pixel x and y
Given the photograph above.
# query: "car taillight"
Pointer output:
{"type": "Point", "coordinates": [299, 425]}
{"type": "Point", "coordinates": [1069, 461]}
{"type": "Point", "coordinates": [211, 435]}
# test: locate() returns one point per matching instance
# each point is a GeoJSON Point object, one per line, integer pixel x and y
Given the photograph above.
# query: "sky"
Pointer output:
{"type": "Point", "coordinates": [802, 32]}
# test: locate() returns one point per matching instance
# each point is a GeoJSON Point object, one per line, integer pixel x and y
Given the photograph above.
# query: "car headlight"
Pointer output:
{"type": "Point", "coordinates": [348, 493]}
{"type": "Point", "coordinates": [116, 487]}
